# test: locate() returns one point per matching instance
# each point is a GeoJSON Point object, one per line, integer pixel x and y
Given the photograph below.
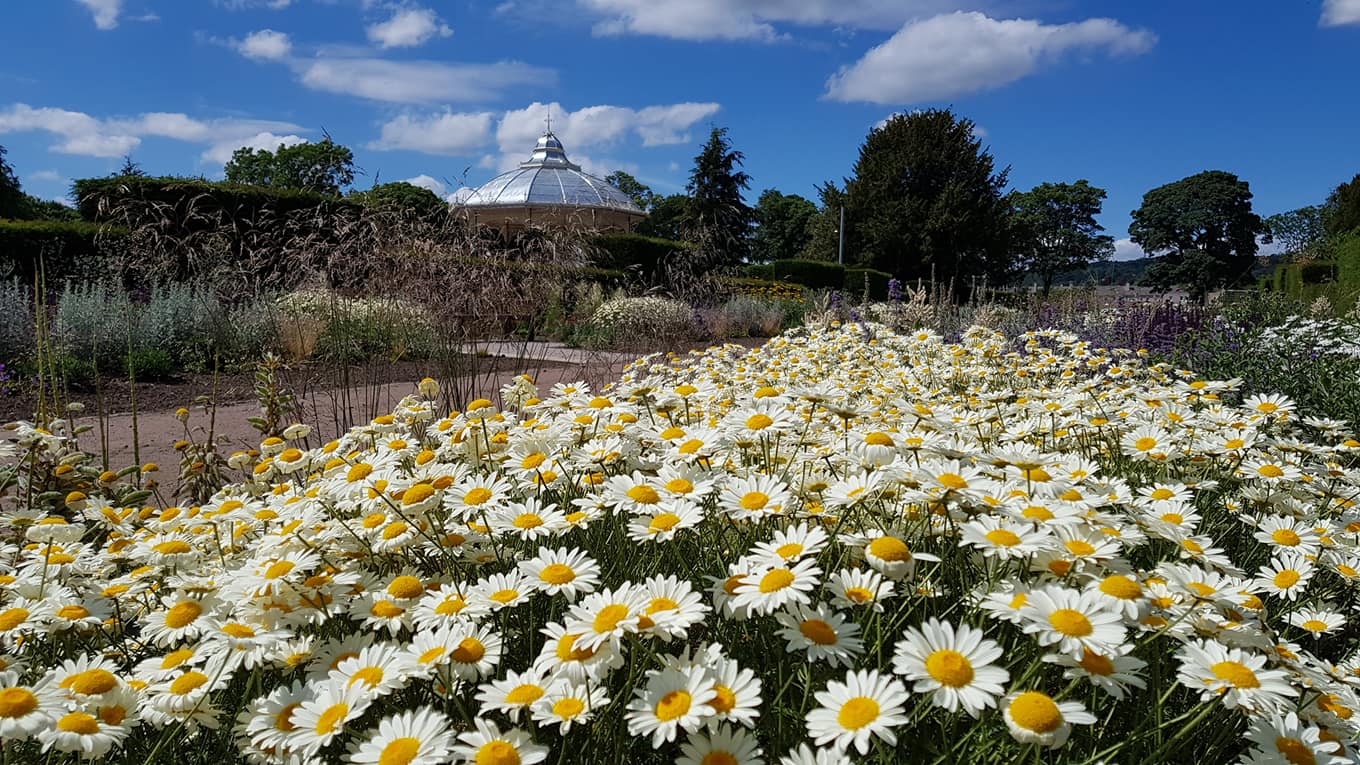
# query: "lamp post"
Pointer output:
{"type": "Point", "coordinates": [840, 248]}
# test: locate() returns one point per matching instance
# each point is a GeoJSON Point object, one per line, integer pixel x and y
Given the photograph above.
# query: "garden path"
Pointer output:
{"type": "Point", "coordinates": [326, 411]}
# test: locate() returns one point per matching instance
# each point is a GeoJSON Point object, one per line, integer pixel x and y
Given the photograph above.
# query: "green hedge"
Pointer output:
{"type": "Point", "coordinates": [762, 271]}
{"type": "Point", "coordinates": [810, 273]}
{"type": "Point", "coordinates": [94, 196]}
{"type": "Point", "coordinates": [644, 256]}
{"type": "Point", "coordinates": [60, 251]}
{"type": "Point", "coordinates": [878, 282]}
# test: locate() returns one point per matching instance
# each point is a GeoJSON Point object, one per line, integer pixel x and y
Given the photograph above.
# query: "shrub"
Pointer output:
{"type": "Point", "coordinates": [810, 273]}
{"type": "Point", "coordinates": [16, 327]}
{"type": "Point", "coordinates": [643, 256]}
{"type": "Point", "coordinates": [629, 321]}
{"type": "Point", "coordinates": [96, 323]}
{"type": "Point", "coordinates": [55, 251]}
{"type": "Point", "coordinates": [762, 271]}
{"type": "Point", "coordinates": [149, 364]}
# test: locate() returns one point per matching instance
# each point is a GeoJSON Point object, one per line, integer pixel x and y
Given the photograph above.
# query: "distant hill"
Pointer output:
{"type": "Point", "coordinates": [1131, 272]}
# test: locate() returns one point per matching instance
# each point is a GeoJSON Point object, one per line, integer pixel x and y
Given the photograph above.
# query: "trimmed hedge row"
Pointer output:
{"type": "Point", "coordinates": [817, 274]}
{"type": "Point", "coordinates": [56, 251]}
{"type": "Point", "coordinates": [643, 256]}
{"type": "Point", "coordinates": [95, 196]}
{"type": "Point", "coordinates": [1337, 279]}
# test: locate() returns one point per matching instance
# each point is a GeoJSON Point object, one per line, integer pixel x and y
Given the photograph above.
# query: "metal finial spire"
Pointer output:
{"type": "Point", "coordinates": [549, 121]}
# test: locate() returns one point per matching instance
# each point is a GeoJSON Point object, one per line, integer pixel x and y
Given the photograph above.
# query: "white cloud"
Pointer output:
{"type": "Point", "coordinates": [597, 125]}
{"type": "Point", "coordinates": [220, 152]}
{"type": "Point", "coordinates": [105, 12]}
{"type": "Point", "coordinates": [959, 53]}
{"type": "Point", "coordinates": [1336, 13]}
{"type": "Point", "coordinates": [421, 81]}
{"type": "Point", "coordinates": [407, 28]}
{"type": "Point", "coordinates": [752, 19]}
{"type": "Point", "coordinates": [428, 182]}
{"type": "Point", "coordinates": [1125, 249]}
{"type": "Point", "coordinates": [446, 133]}
{"type": "Point", "coordinates": [265, 45]}
{"type": "Point", "coordinates": [80, 133]}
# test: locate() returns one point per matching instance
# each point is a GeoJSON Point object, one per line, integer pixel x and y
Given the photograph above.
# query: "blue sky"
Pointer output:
{"type": "Point", "coordinates": [1128, 94]}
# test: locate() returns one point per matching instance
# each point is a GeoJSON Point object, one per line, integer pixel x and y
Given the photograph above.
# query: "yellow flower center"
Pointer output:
{"type": "Point", "coordinates": [718, 757]}
{"type": "Point", "coordinates": [609, 617]}
{"type": "Point", "coordinates": [725, 700]}
{"type": "Point", "coordinates": [332, 718]}
{"type": "Point", "coordinates": [417, 494]}
{"type": "Point", "coordinates": [469, 651]}
{"type": "Point", "coordinates": [1315, 625]}
{"type": "Point", "coordinates": [568, 708]}
{"type": "Point", "coordinates": [1003, 537]}
{"type": "Point", "coordinates": [1096, 664]}
{"type": "Point", "coordinates": [755, 500]}
{"type": "Point", "coordinates": [890, 549]}
{"type": "Point", "coordinates": [406, 587]}
{"type": "Point", "coordinates": [1122, 587]}
{"type": "Point", "coordinates": [818, 632]}
{"type": "Point", "coordinates": [1070, 622]}
{"type": "Point", "coordinates": [238, 630]}
{"type": "Point", "coordinates": [401, 751]}
{"type": "Point", "coordinates": [278, 569]}
{"type": "Point", "coordinates": [858, 594]}
{"type": "Point", "coordinates": [679, 486]}
{"type": "Point", "coordinates": [857, 713]}
{"type": "Point", "coordinates": [504, 596]}
{"type": "Point", "coordinates": [953, 481]}
{"type": "Point", "coordinates": [949, 668]}
{"type": "Point", "coordinates": [433, 655]}
{"type": "Point", "coordinates": [644, 495]}
{"type": "Point", "coordinates": [359, 472]}
{"type": "Point", "coordinates": [1286, 537]}
{"type": "Point", "coordinates": [450, 606]}
{"type": "Point", "coordinates": [1237, 674]}
{"type": "Point", "coordinates": [78, 722]}
{"type": "Point", "coordinates": [477, 496]}
{"type": "Point", "coordinates": [1295, 751]}
{"type": "Point", "coordinates": [789, 550]}
{"type": "Point", "coordinates": [1270, 471]}
{"type": "Point", "coordinates": [497, 752]}
{"type": "Point", "coordinates": [1036, 712]}
{"type": "Point", "coordinates": [17, 702]}
{"type": "Point", "coordinates": [1146, 443]}
{"type": "Point", "coordinates": [776, 580]}
{"type": "Point", "coordinates": [759, 421]}
{"type": "Point", "coordinates": [557, 573]}
{"type": "Point", "coordinates": [187, 683]}
{"type": "Point", "coordinates": [567, 650]}
{"type": "Point", "coordinates": [12, 618]}
{"type": "Point", "coordinates": [1038, 513]}
{"type": "Point", "coordinates": [1162, 493]}
{"type": "Point", "coordinates": [73, 612]}
{"type": "Point", "coordinates": [1287, 578]}
{"type": "Point", "coordinates": [173, 547]}
{"type": "Point", "coordinates": [663, 522]}
{"type": "Point", "coordinates": [176, 658]}
{"type": "Point", "coordinates": [673, 705]}
{"type": "Point", "coordinates": [386, 609]}
{"type": "Point", "coordinates": [528, 521]}
{"type": "Point", "coordinates": [1079, 547]}
{"type": "Point", "coordinates": [370, 676]}
{"type": "Point", "coordinates": [91, 682]}
{"type": "Point", "coordinates": [524, 695]}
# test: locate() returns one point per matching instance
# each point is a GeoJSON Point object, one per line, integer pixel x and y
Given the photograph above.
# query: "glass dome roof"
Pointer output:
{"type": "Point", "coordinates": [549, 179]}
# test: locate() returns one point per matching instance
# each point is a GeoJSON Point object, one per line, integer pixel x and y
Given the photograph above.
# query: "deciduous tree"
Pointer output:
{"type": "Point", "coordinates": [1204, 227]}
{"type": "Point", "coordinates": [781, 226]}
{"type": "Point", "coordinates": [641, 194]}
{"type": "Point", "coordinates": [1056, 229]}
{"type": "Point", "coordinates": [324, 167]}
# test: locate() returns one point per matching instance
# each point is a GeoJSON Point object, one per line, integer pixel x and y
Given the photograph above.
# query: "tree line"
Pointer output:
{"type": "Point", "coordinates": [925, 199]}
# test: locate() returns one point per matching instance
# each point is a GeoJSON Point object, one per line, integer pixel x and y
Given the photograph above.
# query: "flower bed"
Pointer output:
{"type": "Point", "coordinates": [847, 545]}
